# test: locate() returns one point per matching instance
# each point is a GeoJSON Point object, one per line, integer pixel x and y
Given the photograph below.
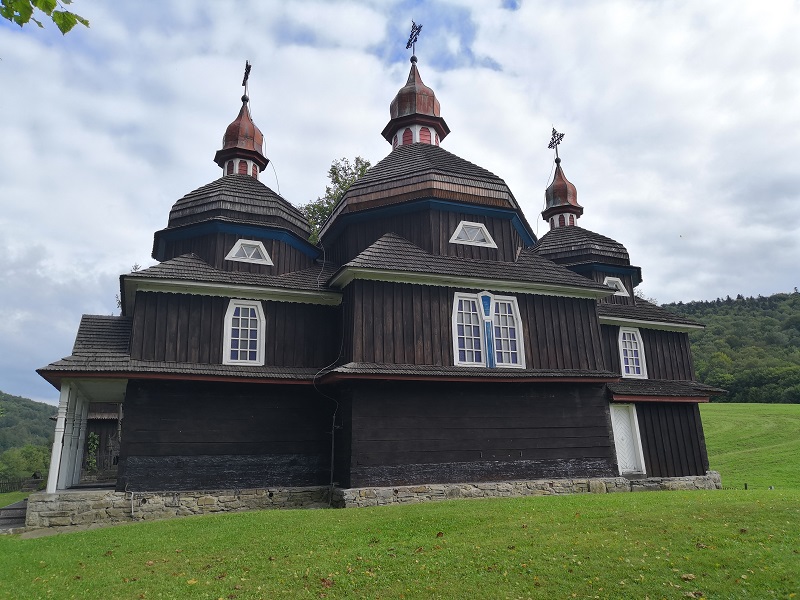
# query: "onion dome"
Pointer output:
{"type": "Point", "coordinates": [242, 146]}
{"type": "Point", "coordinates": [415, 114]}
{"type": "Point", "coordinates": [561, 201]}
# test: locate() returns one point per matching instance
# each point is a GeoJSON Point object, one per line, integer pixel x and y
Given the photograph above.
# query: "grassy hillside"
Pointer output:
{"type": "Point", "coordinates": [750, 346]}
{"type": "Point", "coordinates": [718, 544]}
{"type": "Point", "coordinates": [757, 444]}
{"type": "Point", "coordinates": [24, 422]}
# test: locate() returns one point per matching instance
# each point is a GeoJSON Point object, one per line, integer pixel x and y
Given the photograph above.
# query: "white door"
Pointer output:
{"type": "Point", "coordinates": [626, 439]}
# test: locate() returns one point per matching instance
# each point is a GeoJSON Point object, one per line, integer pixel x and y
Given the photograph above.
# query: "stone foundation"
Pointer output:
{"type": "Point", "coordinates": [85, 507]}
{"type": "Point", "coordinates": [410, 494]}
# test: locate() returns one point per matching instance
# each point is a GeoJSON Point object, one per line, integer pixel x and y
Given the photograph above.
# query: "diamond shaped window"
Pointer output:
{"type": "Point", "coordinates": [249, 251]}
{"type": "Point", "coordinates": [472, 234]}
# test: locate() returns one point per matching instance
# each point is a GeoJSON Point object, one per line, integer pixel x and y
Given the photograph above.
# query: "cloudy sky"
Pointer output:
{"type": "Point", "coordinates": [681, 118]}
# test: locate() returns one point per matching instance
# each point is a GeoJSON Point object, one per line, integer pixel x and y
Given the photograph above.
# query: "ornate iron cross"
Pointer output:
{"type": "Point", "coordinates": [555, 140]}
{"type": "Point", "coordinates": [412, 38]}
{"type": "Point", "coordinates": [247, 67]}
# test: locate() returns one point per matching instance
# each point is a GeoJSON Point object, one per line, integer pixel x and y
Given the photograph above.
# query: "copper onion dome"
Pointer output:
{"type": "Point", "coordinates": [561, 195]}
{"type": "Point", "coordinates": [242, 139]}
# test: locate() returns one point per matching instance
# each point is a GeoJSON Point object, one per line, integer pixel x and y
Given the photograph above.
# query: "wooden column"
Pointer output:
{"type": "Point", "coordinates": [53, 476]}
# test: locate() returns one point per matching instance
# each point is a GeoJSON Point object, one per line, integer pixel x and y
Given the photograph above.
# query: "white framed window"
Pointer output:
{"type": "Point", "coordinates": [472, 234]}
{"type": "Point", "coordinates": [616, 283]}
{"type": "Point", "coordinates": [627, 441]}
{"type": "Point", "coordinates": [249, 251]}
{"type": "Point", "coordinates": [244, 333]}
{"type": "Point", "coordinates": [487, 331]}
{"type": "Point", "coordinates": [631, 353]}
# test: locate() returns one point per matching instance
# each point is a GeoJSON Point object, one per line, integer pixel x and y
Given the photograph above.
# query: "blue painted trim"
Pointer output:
{"type": "Point", "coordinates": [247, 231]}
{"type": "Point", "coordinates": [445, 205]}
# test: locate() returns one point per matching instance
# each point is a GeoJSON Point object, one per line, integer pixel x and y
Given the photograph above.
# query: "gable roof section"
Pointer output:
{"type": "Point", "coordinates": [417, 171]}
{"type": "Point", "coordinates": [393, 258]}
{"type": "Point", "coordinates": [101, 351]}
{"type": "Point", "coordinates": [189, 274]}
{"type": "Point", "coordinates": [644, 314]}
{"type": "Point", "coordinates": [238, 198]}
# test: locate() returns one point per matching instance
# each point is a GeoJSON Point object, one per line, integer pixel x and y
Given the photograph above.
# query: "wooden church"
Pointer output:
{"type": "Point", "coordinates": [428, 337]}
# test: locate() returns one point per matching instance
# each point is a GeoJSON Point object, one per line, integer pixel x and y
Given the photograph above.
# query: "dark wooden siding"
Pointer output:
{"type": "Point", "coordinates": [181, 436]}
{"type": "Point", "coordinates": [213, 248]}
{"type": "Point", "coordinates": [672, 439]}
{"type": "Point", "coordinates": [412, 324]}
{"type": "Point", "coordinates": [430, 230]}
{"type": "Point", "coordinates": [667, 353]}
{"type": "Point", "coordinates": [670, 357]}
{"type": "Point", "coordinates": [188, 328]}
{"type": "Point", "coordinates": [406, 433]}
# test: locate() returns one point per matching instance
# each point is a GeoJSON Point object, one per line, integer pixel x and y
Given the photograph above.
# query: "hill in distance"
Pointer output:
{"type": "Point", "coordinates": [750, 346]}
{"type": "Point", "coordinates": [23, 421]}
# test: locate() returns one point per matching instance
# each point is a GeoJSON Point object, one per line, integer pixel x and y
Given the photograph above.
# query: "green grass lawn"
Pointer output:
{"type": "Point", "coordinates": [709, 544]}
{"type": "Point", "coordinates": [757, 444]}
{"type": "Point", "coordinates": [11, 497]}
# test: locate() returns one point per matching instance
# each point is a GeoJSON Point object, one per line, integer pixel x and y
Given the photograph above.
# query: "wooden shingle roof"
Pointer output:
{"type": "Point", "coordinates": [643, 311]}
{"type": "Point", "coordinates": [238, 198]}
{"type": "Point", "coordinates": [416, 171]}
{"type": "Point", "coordinates": [663, 387]}
{"type": "Point", "coordinates": [394, 254]}
{"type": "Point", "coordinates": [575, 245]}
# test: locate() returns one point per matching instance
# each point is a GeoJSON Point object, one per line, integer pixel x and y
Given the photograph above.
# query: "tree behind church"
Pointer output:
{"type": "Point", "coordinates": [342, 175]}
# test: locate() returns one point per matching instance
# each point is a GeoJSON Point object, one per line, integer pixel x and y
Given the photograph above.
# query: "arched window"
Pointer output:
{"type": "Point", "coordinates": [254, 171]}
{"type": "Point", "coordinates": [242, 167]}
{"type": "Point", "coordinates": [561, 221]}
{"type": "Point", "coordinates": [572, 219]}
{"type": "Point", "coordinates": [244, 333]}
{"type": "Point", "coordinates": [230, 167]}
{"type": "Point", "coordinates": [425, 135]}
{"type": "Point", "coordinates": [552, 223]}
{"type": "Point", "coordinates": [408, 137]}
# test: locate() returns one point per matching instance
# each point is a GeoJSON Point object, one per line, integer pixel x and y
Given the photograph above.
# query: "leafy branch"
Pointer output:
{"type": "Point", "coordinates": [22, 12]}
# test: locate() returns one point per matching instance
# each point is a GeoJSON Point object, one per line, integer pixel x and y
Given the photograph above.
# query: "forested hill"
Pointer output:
{"type": "Point", "coordinates": [24, 421]}
{"type": "Point", "coordinates": [750, 346]}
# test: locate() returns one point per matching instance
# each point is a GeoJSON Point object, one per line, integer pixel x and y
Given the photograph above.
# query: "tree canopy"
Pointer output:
{"type": "Point", "coordinates": [342, 175]}
{"type": "Point", "coordinates": [22, 12]}
{"type": "Point", "coordinates": [750, 346]}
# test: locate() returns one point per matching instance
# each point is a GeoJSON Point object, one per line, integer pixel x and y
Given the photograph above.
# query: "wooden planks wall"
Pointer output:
{"type": "Point", "coordinates": [189, 328]}
{"type": "Point", "coordinates": [412, 324]}
{"type": "Point", "coordinates": [672, 439]}
{"type": "Point", "coordinates": [213, 248]}
{"type": "Point", "coordinates": [667, 353]}
{"type": "Point", "coordinates": [185, 435]}
{"type": "Point", "coordinates": [404, 433]}
{"type": "Point", "coordinates": [430, 230]}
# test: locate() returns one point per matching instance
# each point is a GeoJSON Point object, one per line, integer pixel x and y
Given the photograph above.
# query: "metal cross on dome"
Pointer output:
{"type": "Point", "coordinates": [555, 140]}
{"type": "Point", "coordinates": [412, 38]}
{"type": "Point", "coordinates": [247, 67]}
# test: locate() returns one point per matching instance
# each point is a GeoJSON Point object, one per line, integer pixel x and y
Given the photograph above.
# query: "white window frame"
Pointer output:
{"type": "Point", "coordinates": [488, 321]}
{"type": "Point", "coordinates": [636, 442]}
{"type": "Point", "coordinates": [237, 246]}
{"type": "Point", "coordinates": [640, 343]}
{"type": "Point", "coordinates": [489, 243]}
{"type": "Point", "coordinates": [227, 334]}
{"type": "Point", "coordinates": [616, 283]}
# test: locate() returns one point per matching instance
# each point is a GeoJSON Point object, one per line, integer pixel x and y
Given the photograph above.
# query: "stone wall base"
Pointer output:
{"type": "Point", "coordinates": [85, 507]}
{"type": "Point", "coordinates": [95, 507]}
